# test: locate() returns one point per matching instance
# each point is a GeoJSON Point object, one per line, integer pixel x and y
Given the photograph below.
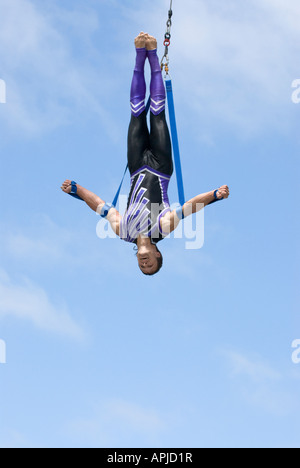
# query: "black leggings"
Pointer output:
{"type": "Point", "coordinates": [152, 149]}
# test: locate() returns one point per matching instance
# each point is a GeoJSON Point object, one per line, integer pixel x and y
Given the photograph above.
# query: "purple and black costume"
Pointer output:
{"type": "Point", "coordinates": [149, 155]}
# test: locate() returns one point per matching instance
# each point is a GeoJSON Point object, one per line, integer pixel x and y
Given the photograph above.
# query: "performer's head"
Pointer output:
{"type": "Point", "coordinates": [150, 259]}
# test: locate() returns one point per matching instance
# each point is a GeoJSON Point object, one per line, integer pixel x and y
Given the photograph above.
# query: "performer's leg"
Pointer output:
{"type": "Point", "coordinates": [138, 85]}
{"type": "Point", "coordinates": [138, 133]}
{"type": "Point", "coordinates": [160, 141]}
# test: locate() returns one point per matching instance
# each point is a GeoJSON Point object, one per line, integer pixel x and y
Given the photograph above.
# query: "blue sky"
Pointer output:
{"type": "Point", "coordinates": [97, 354]}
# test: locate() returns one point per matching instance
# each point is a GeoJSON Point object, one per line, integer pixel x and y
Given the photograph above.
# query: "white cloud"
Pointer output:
{"type": "Point", "coordinates": [260, 384]}
{"type": "Point", "coordinates": [286, 13]}
{"type": "Point", "coordinates": [256, 370]}
{"type": "Point", "coordinates": [241, 56]}
{"type": "Point", "coordinates": [14, 439]}
{"type": "Point", "coordinates": [27, 301]}
{"type": "Point", "coordinates": [188, 264]}
{"type": "Point", "coordinates": [117, 421]}
{"type": "Point", "coordinates": [135, 416]}
{"type": "Point", "coordinates": [47, 81]}
{"type": "Point", "coordinates": [43, 244]}
{"type": "Point", "coordinates": [232, 62]}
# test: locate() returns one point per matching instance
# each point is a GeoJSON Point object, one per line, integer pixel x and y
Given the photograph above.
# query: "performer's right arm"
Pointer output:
{"type": "Point", "coordinates": [95, 203]}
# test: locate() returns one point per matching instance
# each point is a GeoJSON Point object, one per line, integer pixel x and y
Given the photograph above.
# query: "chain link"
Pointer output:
{"type": "Point", "coordinates": [165, 60]}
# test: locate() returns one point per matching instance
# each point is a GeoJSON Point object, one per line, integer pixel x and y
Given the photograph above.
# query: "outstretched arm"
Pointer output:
{"type": "Point", "coordinates": [171, 220]}
{"type": "Point", "coordinates": [95, 203]}
{"type": "Point", "coordinates": [197, 203]}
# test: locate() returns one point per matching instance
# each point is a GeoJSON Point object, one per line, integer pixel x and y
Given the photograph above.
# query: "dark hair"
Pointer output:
{"type": "Point", "coordinates": [159, 263]}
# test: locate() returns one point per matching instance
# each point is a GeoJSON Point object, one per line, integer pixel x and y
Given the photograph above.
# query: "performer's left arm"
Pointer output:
{"type": "Point", "coordinates": [171, 220]}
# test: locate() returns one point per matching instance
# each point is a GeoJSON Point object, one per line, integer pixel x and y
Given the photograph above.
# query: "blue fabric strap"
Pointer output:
{"type": "Point", "coordinates": [74, 191]}
{"type": "Point", "coordinates": [115, 200]}
{"type": "Point", "coordinates": [215, 195]}
{"type": "Point", "coordinates": [175, 142]}
{"type": "Point", "coordinates": [176, 153]}
{"type": "Point", "coordinates": [107, 207]}
{"type": "Point", "coordinates": [179, 213]}
{"type": "Point", "coordinates": [216, 198]}
{"type": "Point", "coordinates": [105, 210]}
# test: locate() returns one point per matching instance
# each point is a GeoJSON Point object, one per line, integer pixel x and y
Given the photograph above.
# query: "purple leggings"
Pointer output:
{"type": "Point", "coordinates": [148, 148]}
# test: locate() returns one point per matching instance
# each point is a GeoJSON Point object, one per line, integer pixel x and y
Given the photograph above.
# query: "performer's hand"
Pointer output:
{"type": "Point", "coordinates": [223, 192]}
{"type": "Point", "coordinates": [66, 186]}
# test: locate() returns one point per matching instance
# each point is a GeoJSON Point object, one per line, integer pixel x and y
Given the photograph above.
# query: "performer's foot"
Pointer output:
{"type": "Point", "coordinates": [140, 41]}
{"type": "Point", "coordinates": [151, 42]}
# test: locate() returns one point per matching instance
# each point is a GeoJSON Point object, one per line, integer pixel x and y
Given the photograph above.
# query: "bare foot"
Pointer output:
{"type": "Point", "coordinates": [151, 42]}
{"type": "Point", "coordinates": [140, 41]}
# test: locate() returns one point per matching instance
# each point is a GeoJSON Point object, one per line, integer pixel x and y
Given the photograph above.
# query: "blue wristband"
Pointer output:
{"type": "Point", "coordinates": [73, 192]}
{"type": "Point", "coordinates": [104, 210]}
{"type": "Point", "coordinates": [179, 213]}
{"type": "Point", "coordinates": [74, 188]}
{"type": "Point", "coordinates": [215, 195]}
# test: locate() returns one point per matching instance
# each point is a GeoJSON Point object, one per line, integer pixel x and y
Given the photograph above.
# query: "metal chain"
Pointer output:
{"type": "Point", "coordinates": [165, 60]}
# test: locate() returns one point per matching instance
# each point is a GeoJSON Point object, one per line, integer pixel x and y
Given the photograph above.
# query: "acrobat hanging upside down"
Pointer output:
{"type": "Point", "coordinates": [148, 218]}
